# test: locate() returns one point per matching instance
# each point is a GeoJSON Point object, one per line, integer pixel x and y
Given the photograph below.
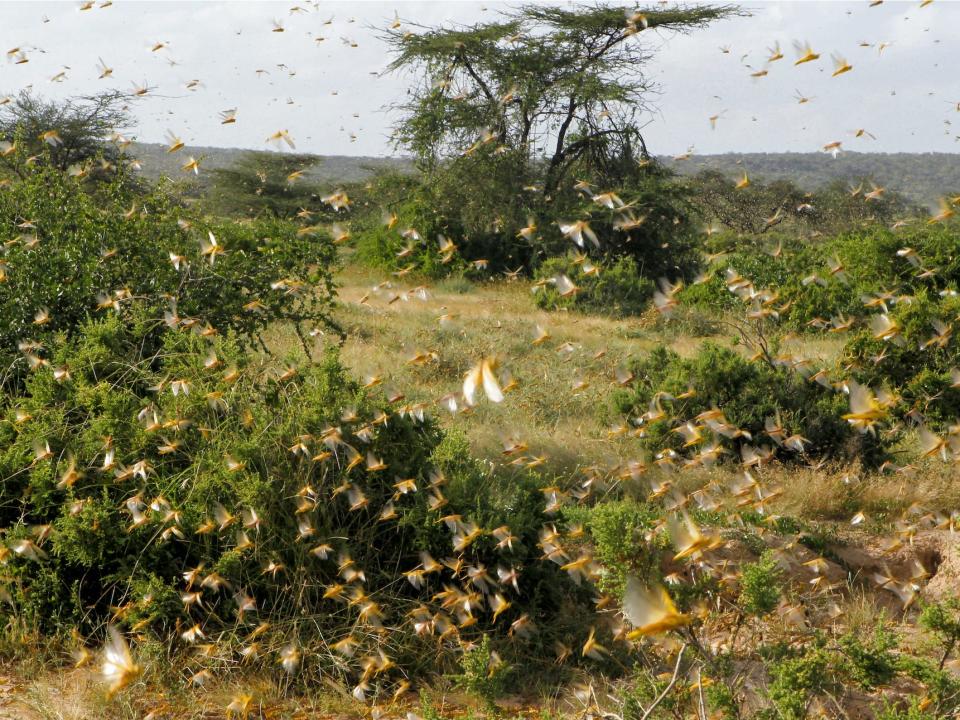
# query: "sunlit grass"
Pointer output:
{"type": "Point", "coordinates": [496, 318]}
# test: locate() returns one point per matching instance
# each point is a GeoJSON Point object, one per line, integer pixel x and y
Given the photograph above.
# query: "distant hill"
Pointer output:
{"type": "Point", "coordinates": [921, 177]}
{"type": "Point", "coordinates": [330, 169]}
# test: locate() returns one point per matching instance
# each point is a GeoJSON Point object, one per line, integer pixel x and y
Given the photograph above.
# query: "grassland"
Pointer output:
{"type": "Point", "coordinates": [559, 405]}
{"type": "Point", "coordinates": [558, 409]}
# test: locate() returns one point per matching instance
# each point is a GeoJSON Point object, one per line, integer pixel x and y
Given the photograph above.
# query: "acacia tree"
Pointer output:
{"type": "Point", "coordinates": [83, 127]}
{"type": "Point", "coordinates": [552, 88]}
{"type": "Point", "coordinates": [780, 204]}
{"type": "Point", "coordinates": [263, 183]}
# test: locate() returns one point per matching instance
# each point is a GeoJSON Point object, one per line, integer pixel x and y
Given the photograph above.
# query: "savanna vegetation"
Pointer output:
{"type": "Point", "coordinates": [539, 428]}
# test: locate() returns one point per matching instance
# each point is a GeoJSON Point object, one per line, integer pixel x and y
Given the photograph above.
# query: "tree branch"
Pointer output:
{"type": "Point", "coordinates": [461, 57]}
{"type": "Point", "coordinates": [550, 185]}
{"type": "Point", "coordinates": [668, 688]}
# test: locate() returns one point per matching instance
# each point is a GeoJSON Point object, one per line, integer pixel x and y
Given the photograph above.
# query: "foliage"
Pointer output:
{"type": "Point", "coordinates": [853, 286]}
{"type": "Point", "coordinates": [942, 620]}
{"type": "Point", "coordinates": [483, 674]}
{"type": "Point", "coordinates": [82, 125]}
{"type": "Point", "coordinates": [404, 222]}
{"type": "Point", "coordinates": [794, 681]}
{"type": "Point", "coordinates": [748, 392]}
{"type": "Point", "coordinates": [750, 210]}
{"type": "Point", "coordinates": [617, 289]}
{"type": "Point", "coordinates": [70, 255]}
{"type": "Point", "coordinates": [870, 661]}
{"type": "Point", "coordinates": [263, 482]}
{"type": "Point", "coordinates": [760, 585]}
{"type": "Point", "coordinates": [265, 184]}
{"type": "Point", "coordinates": [914, 711]}
{"type": "Point", "coordinates": [801, 271]}
{"type": "Point", "coordinates": [918, 371]}
{"type": "Point", "coordinates": [498, 228]}
{"type": "Point", "coordinates": [619, 531]}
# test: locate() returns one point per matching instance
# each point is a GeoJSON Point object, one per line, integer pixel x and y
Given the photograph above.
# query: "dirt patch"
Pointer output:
{"type": "Point", "coordinates": [11, 699]}
{"type": "Point", "coordinates": [945, 583]}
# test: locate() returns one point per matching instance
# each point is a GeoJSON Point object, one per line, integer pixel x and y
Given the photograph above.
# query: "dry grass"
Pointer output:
{"type": "Point", "coordinates": [837, 494]}
{"type": "Point", "coordinates": [567, 427]}
{"type": "Point", "coordinates": [499, 319]}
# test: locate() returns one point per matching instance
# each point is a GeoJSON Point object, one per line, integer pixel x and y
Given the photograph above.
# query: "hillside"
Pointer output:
{"type": "Point", "coordinates": [922, 177]}
{"type": "Point", "coordinates": [330, 168]}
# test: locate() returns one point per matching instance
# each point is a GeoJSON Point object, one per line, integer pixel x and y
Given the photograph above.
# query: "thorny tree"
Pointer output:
{"type": "Point", "coordinates": [84, 126]}
{"type": "Point", "coordinates": [557, 89]}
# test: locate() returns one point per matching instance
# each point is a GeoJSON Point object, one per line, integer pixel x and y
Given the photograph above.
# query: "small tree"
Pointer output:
{"type": "Point", "coordinates": [263, 183]}
{"type": "Point", "coordinates": [504, 116]}
{"type": "Point", "coordinates": [943, 621]}
{"type": "Point", "coordinates": [543, 83]}
{"type": "Point", "coordinates": [83, 127]}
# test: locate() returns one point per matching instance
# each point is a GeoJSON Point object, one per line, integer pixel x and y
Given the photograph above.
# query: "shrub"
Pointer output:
{"type": "Point", "coordinates": [483, 674]}
{"type": "Point", "coordinates": [619, 531]}
{"type": "Point", "coordinates": [942, 620]}
{"type": "Point", "coordinates": [868, 255]}
{"type": "Point", "coordinates": [913, 711]}
{"type": "Point", "coordinates": [870, 661]}
{"type": "Point", "coordinates": [192, 468]}
{"type": "Point", "coordinates": [795, 680]}
{"type": "Point", "coordinates": [748, 392]}
{"type": "Point", "coordinates": [435, 207]}
{"type": "Point", "coordinates": [76, 255]}
{"type": "Point", "coordinates": [477, 203]}
{"type": "Point", "coordinates": [942, 686]}
{"type": "Point", "coordinates": [761, 585]}
{"type": "Point", "coordinates": [618, 289]}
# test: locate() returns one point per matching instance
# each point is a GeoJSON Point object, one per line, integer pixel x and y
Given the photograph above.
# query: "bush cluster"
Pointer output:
{"type": "Point", "coordinates": [616, 289]}
{"type": "Point", "coordinates": [70, 255]}
{"type": "Point", "coordinates": [748, 392]}
{"type": "Point", "coordinates": [870, 260]}
{"type": "Point", "coordinates": [160, 475]}
{"type": "Point", "coordinates": [480, 206]}
{"type": "Point", "coordinates": [275, 495]}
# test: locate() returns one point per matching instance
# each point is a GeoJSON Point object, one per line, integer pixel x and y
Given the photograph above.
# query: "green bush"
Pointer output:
{"type": "Point", "coordinates": [913, 711]}
{"type": "Point", "coordinates": [618, 531]}
{"type": "Point", "coordinates": [870, 661]}
{"type": "Point", "coordinates": [241, 472]}
{"type": "Point", "coordinates": [618, 289]}
{"type": "Point", "coordinates": [794, 681]}
{"type": "Point", "coordinates": [71, 255]}
{"type": "Point", "coordinates": [867, 253]}
{"type": "Point", "coordinates": [435, 206]}
{"type": "Point", "coordinates": [760, 585]}
{"type": "Point", "coordinates": [482, 204]}
{"type": "Point", "coordinates": [483, 674]}
{"type": "Point", "coordinates": [920, 375]}
{"type": "Point", "coordinates": [749, 257]}
{"type": "Point", "coordinates": [942, 620]}
{"type": "Point", "coordinates": [748, 392]}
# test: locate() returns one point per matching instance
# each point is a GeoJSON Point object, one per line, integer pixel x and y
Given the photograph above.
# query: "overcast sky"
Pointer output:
{"type": "Point", "coordinates": [329, 96]}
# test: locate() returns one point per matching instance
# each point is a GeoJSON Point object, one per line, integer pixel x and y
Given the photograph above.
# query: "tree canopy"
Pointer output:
{"type": "Point", "coordinates": [563, 88]}
{"type": "Point", "coordinates": [263, 183]}
{"type": "Point", "coordinates": [65, 134]}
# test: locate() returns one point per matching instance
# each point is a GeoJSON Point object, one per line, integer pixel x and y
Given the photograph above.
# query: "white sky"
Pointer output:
{"type": "Point", "coordinates": [328, 90]}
